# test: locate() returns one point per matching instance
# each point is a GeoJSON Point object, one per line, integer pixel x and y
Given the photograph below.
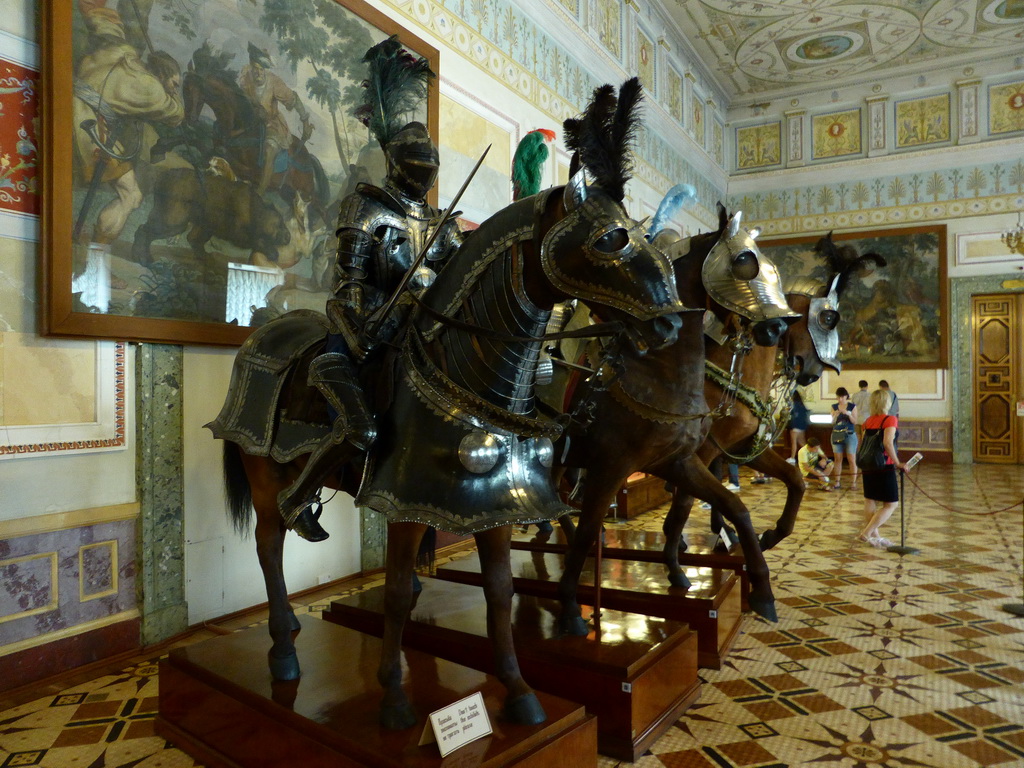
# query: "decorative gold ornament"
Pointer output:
{"type": "Point", "coordinates": [1014, 238]}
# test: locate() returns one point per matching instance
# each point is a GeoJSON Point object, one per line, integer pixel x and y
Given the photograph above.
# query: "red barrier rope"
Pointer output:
{"type": "Point", "coordinates": [957, 511]}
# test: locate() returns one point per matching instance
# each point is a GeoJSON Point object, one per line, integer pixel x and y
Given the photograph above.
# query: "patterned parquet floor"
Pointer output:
{"type": "Point", "coordinates": [877, 659]}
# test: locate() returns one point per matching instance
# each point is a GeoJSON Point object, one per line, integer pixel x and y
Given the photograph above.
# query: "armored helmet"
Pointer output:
{"type": "Point", "coordinates": [412, 161]}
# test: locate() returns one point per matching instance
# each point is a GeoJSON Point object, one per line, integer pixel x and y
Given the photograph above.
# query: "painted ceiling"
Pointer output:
{"type": "Point", "coordinates": [771, 48]}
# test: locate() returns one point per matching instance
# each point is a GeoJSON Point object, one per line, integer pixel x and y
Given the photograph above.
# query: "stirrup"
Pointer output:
{"type": "Point", "coordinates": [307, 522]}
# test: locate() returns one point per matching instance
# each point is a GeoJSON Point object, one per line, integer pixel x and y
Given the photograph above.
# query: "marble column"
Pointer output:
{"type": "Point", "coordinates": [159, 472]}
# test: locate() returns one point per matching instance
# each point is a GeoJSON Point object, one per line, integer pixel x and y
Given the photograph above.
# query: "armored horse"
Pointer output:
{"type": "Point", "coordinates": [651, 415]}
{"type": "Point", "coordinates": [460, 445]}
{"type": "Point", "coordinates": [758, 408]}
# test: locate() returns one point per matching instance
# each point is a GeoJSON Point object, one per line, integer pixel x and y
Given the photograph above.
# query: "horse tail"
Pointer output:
{"type": "Point", "coordinates": [428, 549]}
{"type": "Point", "coordinates": [239, 492]}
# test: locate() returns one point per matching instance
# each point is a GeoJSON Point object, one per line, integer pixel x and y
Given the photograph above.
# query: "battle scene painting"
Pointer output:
{"type": "Point", "coordinates": [890, 317]}
{"type": "Point", "coordinates": [208, 147]}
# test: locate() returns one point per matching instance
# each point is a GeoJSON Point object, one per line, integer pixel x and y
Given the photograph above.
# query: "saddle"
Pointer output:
{"type": "Point", "coordinates": [271, 410]}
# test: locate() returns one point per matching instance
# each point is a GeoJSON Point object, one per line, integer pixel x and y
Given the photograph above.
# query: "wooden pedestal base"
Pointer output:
{"type": "Point", "coordinates": [646, 546]}
{"type": "Point", "coordinates": [711, 606]}
{"type": "Point", "coordinates": [218, 703]}
{"type": "Point", "coordinates": [637, 676]}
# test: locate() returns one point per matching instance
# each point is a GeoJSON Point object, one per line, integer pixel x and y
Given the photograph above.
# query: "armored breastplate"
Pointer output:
{"type": "Point", "coordinates": [399, 228]}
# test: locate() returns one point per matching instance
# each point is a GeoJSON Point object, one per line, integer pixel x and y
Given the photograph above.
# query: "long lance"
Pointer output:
{"type": "Point", "coordinates": [389, 305]}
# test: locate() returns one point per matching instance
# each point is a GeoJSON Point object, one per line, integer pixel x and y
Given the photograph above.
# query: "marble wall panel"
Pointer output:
{"type": "Point", "coordinates": [759, 146]}
{"type": "Point", "coordinates": [836, 134]}
{"type": "Point", "coordinates": [53, 581]}
{"type": "Point", "coordinates": [646, 66]}
{"type": "Point", "coordinates": [1006, 108]}
{"type": "Point", "coordinates": [29, 586]}
{"type": "Point", "coordinates": [674, 93]}
{"type": "Point", "coordinates": [608, 14]}
{"type": "Point", "coordinates": [922, 121]}
{"type": "Point", "coordinates": [47, 383]}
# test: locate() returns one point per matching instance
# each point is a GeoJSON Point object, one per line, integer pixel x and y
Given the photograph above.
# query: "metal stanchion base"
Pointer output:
{"type": "Point", "coordinates": [900, 549]}
{"type": "Point", "coordinates": [1017, 609]}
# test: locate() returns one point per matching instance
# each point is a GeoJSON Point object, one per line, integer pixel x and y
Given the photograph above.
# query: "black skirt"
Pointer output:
{"type": "Point", "coordinates": [880, 484]}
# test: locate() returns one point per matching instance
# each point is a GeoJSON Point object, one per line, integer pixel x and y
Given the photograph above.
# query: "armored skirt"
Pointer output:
{"type": "Point", "coordinates": [442, 462]}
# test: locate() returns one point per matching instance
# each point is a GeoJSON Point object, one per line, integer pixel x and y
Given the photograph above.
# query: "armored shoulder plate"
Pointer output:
{"type": "Point", "coordinates": [370, 208]}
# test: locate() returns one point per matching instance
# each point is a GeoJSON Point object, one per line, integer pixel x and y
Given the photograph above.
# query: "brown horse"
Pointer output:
{"type": "Point", "coordinates": [653, 415]}
{"type": "Point", "coordinates": [745, 434]}
{"type": "Point", "coordinates": [238, 134]}
{"type": "Point", "coordinates": [537, 252]}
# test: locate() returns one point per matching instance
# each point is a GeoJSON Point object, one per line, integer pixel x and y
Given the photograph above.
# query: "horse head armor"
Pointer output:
{"type": "Point", "coordinates": [822, 317]}
{"type": "Point", "coordinates": [604, 257]}
{"type": "Point", "coordinates": [742, 279]}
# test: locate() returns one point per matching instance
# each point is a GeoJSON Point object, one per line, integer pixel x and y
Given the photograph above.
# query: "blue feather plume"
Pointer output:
{"type": "Point", "coordinates": [680, 196]}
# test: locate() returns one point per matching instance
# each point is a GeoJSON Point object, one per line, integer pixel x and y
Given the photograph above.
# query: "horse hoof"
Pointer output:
{"type": "Point", "coordinates": [573, 625]}
{"type": "Point", "coordinates": [284, 667]}
{"type": "Point", "coordinates": [768, 540]}
{"type": "Point", "coordinates": [397, 717]}
{"type": "Point", "coordinates": [525, 710]}
{"type": "Point", "coordinates": [764, 607]}
{"type": "Point", "coordinates": [679, 580]}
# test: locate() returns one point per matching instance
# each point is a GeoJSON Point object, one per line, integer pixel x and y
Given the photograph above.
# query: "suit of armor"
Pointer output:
{"type": "Point", "coordinates": [381, 231]}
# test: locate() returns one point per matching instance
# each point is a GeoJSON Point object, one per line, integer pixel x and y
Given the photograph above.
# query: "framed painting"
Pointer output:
{"type": "Point", "coordinates": [894, 316]}
{"type": "Point", "coordinates": [196, 155]}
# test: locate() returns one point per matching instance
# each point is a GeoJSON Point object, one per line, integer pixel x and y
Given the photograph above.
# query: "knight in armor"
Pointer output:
{"type": "Point", "coordinates": [381, 232]}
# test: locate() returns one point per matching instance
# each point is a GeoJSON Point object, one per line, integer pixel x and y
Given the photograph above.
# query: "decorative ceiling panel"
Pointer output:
{"type": "Point", "coordinates": [772, 47]}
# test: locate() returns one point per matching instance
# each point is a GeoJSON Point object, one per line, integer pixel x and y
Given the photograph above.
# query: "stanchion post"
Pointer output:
{"type": "Point", "coordinates": [1017, 609]}
{"type": "Point", "coordinates": [902, 548]}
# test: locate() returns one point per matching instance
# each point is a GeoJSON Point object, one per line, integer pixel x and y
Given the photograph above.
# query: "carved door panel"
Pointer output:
{"type": "Point", "coordinates": [998, 377]}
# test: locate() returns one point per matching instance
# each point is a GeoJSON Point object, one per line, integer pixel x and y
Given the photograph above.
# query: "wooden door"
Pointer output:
{"type": "Point", "coordinates": [998, 377]}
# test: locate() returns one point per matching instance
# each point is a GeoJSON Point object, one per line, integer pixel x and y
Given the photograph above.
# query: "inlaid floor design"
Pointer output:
{"type": "Point", "coordinates": [877, 659]}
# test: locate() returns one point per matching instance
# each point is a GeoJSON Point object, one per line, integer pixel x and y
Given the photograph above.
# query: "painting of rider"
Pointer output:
{"type": "Point", "coordinates": [207, 151]}
{"type": "Point", "coordinates": [890, 317]}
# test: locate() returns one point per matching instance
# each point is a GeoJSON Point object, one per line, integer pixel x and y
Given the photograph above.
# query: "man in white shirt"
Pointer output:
{"type": "Point", "coordinates": [860, 399]}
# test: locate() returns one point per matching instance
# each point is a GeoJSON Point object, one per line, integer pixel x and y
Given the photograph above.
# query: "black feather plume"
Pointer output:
{"type": "Point", "coordinates": [843, 260]}
{"type": "Point", "coordinates": [858, 264]}
{"type": "Point", "coordinates": [603, 135]}
{"type": "Point", "coordinates": [395, 88]}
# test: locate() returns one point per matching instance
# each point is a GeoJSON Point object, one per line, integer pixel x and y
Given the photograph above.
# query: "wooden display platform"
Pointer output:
{"type": "Point", "coordinates": [638, 676]}
{"type": "Point", "coordinates": [711, 606]}
{"type": "Point", "coordinates": [218, 703]}
{"type": "Point", "coordinates": [640, 495]}
{"type": "Point", "coordinates": [646, 546]}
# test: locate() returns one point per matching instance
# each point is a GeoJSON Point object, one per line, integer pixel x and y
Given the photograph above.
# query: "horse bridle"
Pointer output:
{"type": "Point", "coordinates": [774, 410]}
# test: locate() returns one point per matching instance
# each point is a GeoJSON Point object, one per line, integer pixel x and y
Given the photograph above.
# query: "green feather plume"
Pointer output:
{"type": "Point", "coordinates": [530, 156]}
{"type": "Point", "coordinates": [396, 87]}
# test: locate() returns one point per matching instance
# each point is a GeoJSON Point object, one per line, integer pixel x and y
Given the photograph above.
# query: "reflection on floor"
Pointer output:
{"type": "Point", "coordinates": [877, 660]}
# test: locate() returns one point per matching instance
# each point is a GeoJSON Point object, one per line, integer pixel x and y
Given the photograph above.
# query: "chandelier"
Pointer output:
{"type": "Point", "coordinates": [1014, 238]}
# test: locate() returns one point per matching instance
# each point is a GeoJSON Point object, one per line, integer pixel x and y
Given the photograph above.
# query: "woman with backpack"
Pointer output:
{"type": "Point", "coordinates": [881, 491]}
{"type": "Point", "coordinates": [844, 435]}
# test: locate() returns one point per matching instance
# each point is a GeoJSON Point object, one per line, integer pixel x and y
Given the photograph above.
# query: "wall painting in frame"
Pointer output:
{"type": "Point", "coordinates": [891, 317]}
{"type": "Point", "coordinates": [196, 157]}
